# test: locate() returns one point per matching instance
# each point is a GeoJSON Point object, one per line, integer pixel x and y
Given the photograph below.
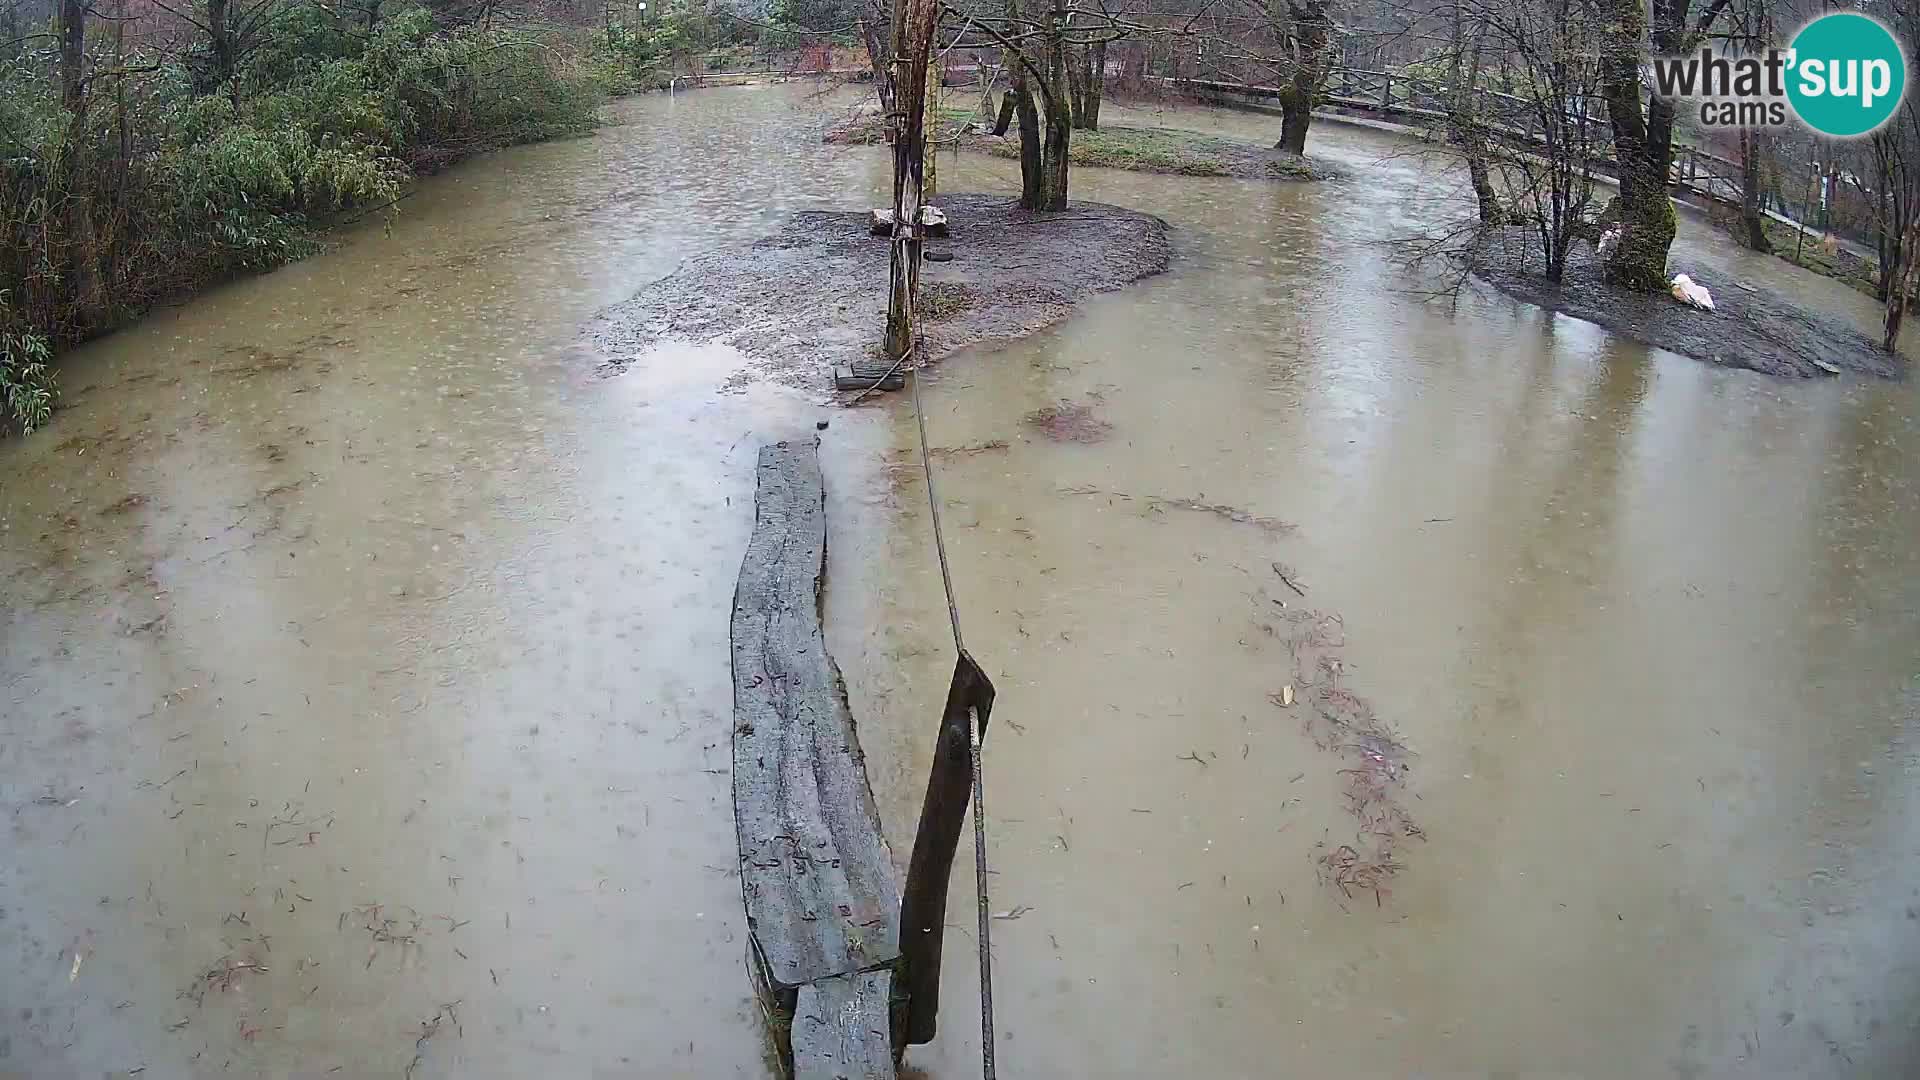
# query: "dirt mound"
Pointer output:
{"type": "Point", "coordinates": [1751, 327]}
{"type": "Point", "coordinates": [814, 294]}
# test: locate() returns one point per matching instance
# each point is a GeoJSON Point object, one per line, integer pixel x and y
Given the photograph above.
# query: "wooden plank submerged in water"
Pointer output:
{"type": "Point", "coordinates": [815, 871]}
{"type": "Point", "coordinates": [841, 1028]}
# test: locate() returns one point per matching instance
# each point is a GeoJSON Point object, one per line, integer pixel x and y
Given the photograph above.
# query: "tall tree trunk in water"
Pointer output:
{"type": "Point", "coordinates": [1750, 216]}
{"type": "Point", "coordinates": [1311, 39]}
{"type": "Point", "coordinates": [1643, 139]}
{"type": "Point", "coordinates": [1295, 116]}
{"type": "Point", "coordinates": [1899, 287]}
{"type": "Point", "coordinates": [1463, 117]}
{"type": "Point", "coordinates": [77, 165]}
{"type": "Point", "coordinates": [1886, 236]}
{"type": "Point", "coordinates": [1643, 146]}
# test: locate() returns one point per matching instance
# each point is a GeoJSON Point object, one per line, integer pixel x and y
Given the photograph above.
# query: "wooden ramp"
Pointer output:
{"type": "Point", "coordinates": [822, 904]}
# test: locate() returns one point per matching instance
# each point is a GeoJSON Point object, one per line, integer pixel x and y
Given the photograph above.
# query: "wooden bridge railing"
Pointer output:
{"type": "Point", "coordinates": [1400, 95]}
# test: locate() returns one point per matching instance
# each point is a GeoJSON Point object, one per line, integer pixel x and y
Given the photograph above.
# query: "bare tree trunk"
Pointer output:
{"type": "Point", "coordinates": [879, 52]}
{"type": "Point", "coordinates": [929, 150]}
{"type": "Point", "coordinates": [1077, 82]}
{"type": "Point", "coordinates": [1029, 119]}
{"type": "Point", "coordinates": [1643, 147]}
{"type": "Point", "coordinates": [913, 28]}
{"type": "Point", "coordinates": [1643, 140]}
{"type": "Point", "coordinates": [1886, 235]}
{"type": "Point", "coordinates": [1295, 116]}
{"type": "Point", "coordinates": [1057, 110]}
{"type": "Point", "coordinates": [1899, 288]}
{"type": "Point", "coordinates": [220, 35]}
{"type": "Point", "coordinates": [1750, 215]}
{"type": "Point", "coordinates": [1311, 44]}
{"type": "Point", "coordinates": [1096, 87]}
{"type": "Point", "coordinates": [77, 170]}
{"type": "Point", "coordinates": [1464, 120]}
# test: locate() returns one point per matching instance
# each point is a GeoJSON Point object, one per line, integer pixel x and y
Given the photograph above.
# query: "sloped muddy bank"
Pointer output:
{"type": "Point", "coordinates": [1752, 326]}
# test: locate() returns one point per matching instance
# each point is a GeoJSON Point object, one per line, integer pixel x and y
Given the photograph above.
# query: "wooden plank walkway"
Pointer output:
{"type": "Point", "coordinates": [822, 903]}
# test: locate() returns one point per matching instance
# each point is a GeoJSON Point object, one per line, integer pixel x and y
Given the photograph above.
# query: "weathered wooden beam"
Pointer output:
{"type": "Point", "coordinates": [865, 376]}
{"type": "Point", "coordinates": [814, 869]}
{"type": "Point", "coordinates": [841, 1028]}
{"type": "Point", "coordinates": [923, 904]}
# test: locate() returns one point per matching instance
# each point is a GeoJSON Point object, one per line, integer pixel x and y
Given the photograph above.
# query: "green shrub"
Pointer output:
{"type": "Point", "coordinates": [188, 182]}
{"type": "Point", "coordinates": [26, 377]}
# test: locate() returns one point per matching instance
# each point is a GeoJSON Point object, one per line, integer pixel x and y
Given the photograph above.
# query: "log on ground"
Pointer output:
{"type": "Point", "coordinates": [840, 1029]}
{"type": "Point", "coordinates": [815, 872]}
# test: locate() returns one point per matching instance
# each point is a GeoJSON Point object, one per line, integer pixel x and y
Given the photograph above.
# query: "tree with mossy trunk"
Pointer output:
{"type": "Point", "coordinates": [1288, 45]}
{"type": "Point", "coordinates": [1307, 30]}
{"type": "Point", "coordinates": [1643, 130]}
{"type": "Point", "coordinates": [1041, 48]}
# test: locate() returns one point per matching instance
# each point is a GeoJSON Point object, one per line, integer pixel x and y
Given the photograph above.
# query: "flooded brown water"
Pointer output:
{"type": "Point", "coordinates": [365, 662]}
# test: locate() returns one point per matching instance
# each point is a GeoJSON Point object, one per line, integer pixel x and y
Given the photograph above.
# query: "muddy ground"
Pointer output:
{"type": "Point", "coordinates": [813, 295]}
{"type": "Point", "coordinates": [1751, 326]}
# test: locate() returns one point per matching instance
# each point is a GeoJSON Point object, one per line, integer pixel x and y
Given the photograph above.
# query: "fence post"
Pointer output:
{"type": "Point", "coordinates": [1386, 90]}
{"type": "Point", "coordinates": [923, 900]}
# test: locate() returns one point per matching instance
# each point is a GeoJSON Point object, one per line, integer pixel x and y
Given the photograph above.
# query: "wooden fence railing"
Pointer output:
{"type": "Point", "coordinates": [1397, 95]}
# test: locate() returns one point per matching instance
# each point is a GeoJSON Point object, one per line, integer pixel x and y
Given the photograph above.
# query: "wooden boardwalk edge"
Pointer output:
{"type": "Point", "coordinates": [816, 876]}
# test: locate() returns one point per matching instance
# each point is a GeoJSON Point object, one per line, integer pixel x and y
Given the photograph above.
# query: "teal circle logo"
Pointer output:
{"type": "Point", "coordinates": [1846, 74]}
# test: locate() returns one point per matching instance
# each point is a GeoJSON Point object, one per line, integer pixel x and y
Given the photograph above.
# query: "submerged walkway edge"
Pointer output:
{"type": "Point", "coordinates": [815, 873]}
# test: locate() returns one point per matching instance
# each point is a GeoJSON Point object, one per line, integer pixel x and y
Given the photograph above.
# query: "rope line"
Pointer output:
{"type": "Point", "coordinates": [981, 900]}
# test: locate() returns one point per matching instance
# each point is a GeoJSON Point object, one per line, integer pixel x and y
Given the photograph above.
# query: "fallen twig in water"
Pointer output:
{"type": "Point", "coordinates": [1160, 502]}
{"type": "Point", "coordinates": [969, 449]}
{"type": "Point", "coordinates": [1288, 579]}
{"type": "Point", "coordinates": [1342, 722]}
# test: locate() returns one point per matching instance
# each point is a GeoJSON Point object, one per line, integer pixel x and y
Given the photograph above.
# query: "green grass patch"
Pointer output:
{"type": "Point", "coordinates": [1168, 150]}
{"type": "Point", "coordinates": [1839, 264]}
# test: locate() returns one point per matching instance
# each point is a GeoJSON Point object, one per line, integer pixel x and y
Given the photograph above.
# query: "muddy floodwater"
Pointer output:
{"type": "Point", "coordinates": [367, 709]}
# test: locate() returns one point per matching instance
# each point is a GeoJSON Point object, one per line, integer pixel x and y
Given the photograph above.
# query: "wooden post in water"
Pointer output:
{"type": "Point", "coordinates": [914, 22]}
{"type": "Point", "coordinates": [923, 900]}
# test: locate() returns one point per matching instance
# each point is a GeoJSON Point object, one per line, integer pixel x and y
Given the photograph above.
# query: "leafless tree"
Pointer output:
{"type": "Point", "coordinates": [1643, 127]}
{"type": "Point", "coordinates": [1896, 158]}
{"type": "Point", "coordinates": [1530, 150]}
{"type": "Point", "coordinates": [1040, 41]}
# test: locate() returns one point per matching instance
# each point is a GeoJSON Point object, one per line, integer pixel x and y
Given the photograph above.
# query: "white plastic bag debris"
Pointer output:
{"type": "Point", "coordinates": [1685, 291]}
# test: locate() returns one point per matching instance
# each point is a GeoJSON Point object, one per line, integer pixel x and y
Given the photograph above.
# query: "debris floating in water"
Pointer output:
{"type": "Point", "coordinates": [1161, 502]}
{"type": "Point", "coordinates": [1342, 722]}
{"type": "Point", "coordinates": [1070, 421]}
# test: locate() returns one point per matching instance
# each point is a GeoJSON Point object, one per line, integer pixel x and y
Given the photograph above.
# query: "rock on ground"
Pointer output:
{"type": "Point", "coordinates": [1752, 327]}
{"type": "Point", "coordinates": [814, 294]}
